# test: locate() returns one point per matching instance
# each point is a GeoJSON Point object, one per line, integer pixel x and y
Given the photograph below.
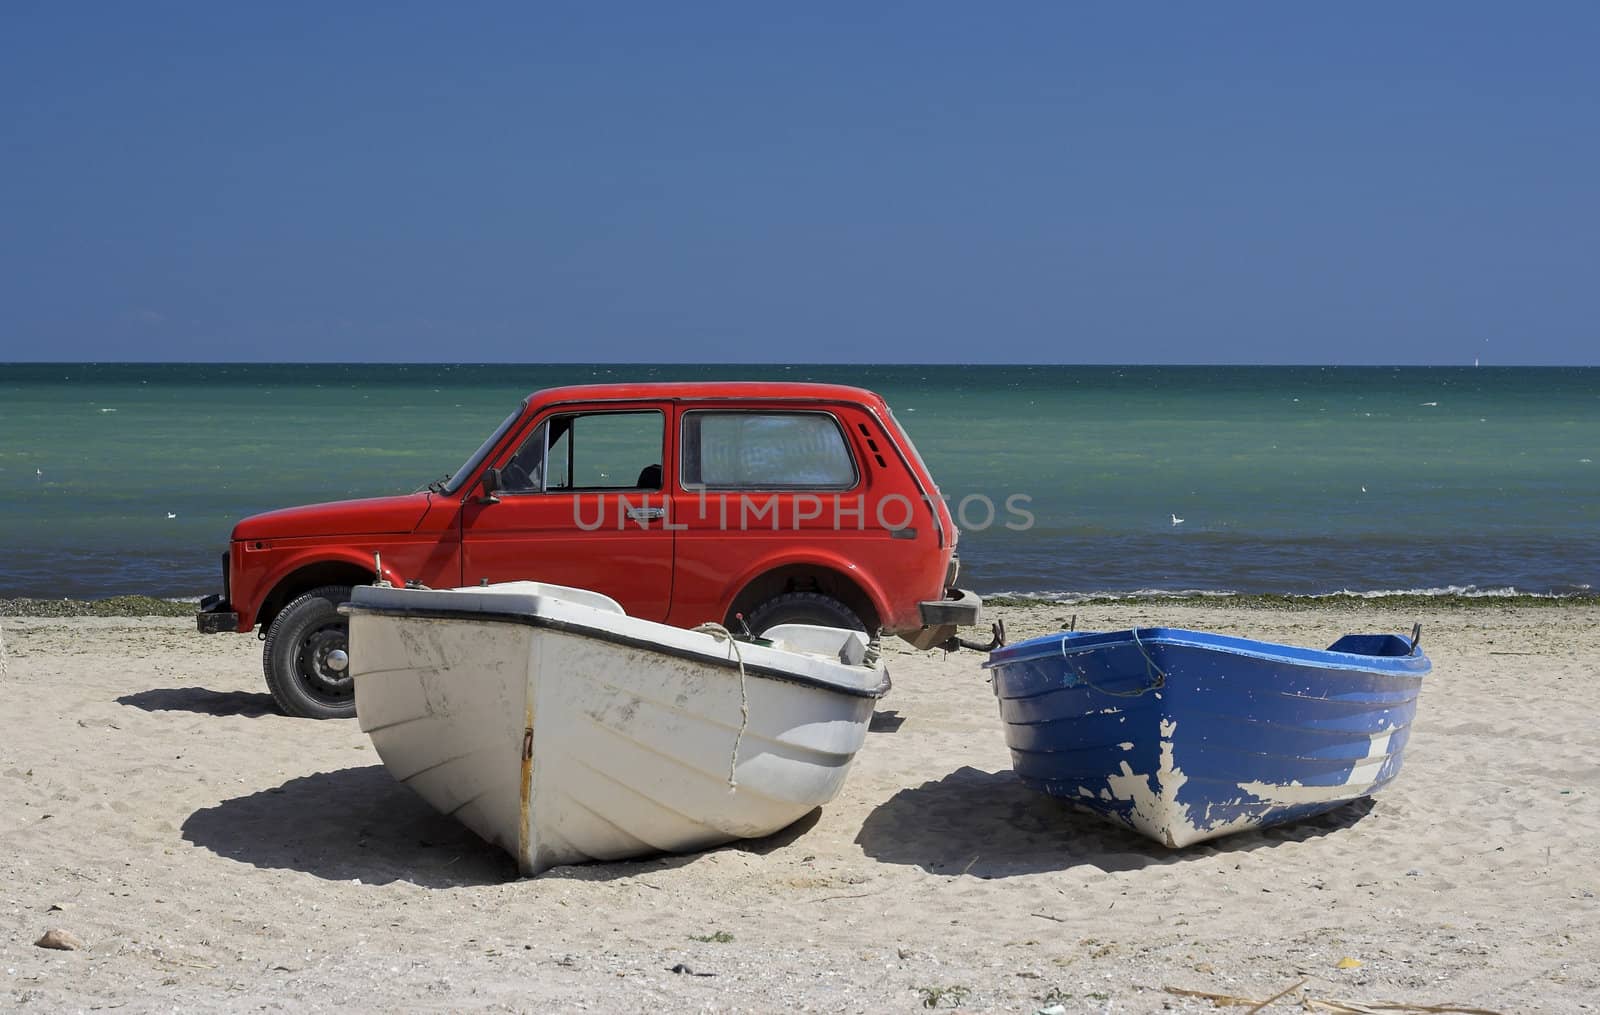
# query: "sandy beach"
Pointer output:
{"type": "Point", "coordinates": [209, 852]}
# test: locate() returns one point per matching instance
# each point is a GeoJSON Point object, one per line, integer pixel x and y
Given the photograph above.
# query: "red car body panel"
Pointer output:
{"type": "Point", "coordinates": [685, 558]}
{"type": "Point", "coordinates": [371, 516]}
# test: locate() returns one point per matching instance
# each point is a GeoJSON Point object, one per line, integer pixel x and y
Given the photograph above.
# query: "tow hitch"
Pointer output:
{"type": "Point", "coordinates": [997, 632]}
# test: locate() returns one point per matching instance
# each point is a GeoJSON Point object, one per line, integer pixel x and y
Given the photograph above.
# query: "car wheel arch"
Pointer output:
{"type": "Point", "coordinates": [305, 578]}
{"type": "Point", "coordinates": [850, 588]}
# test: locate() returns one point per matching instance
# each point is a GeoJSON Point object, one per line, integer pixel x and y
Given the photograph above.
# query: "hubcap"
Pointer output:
{"type": "Point", "coordinates": [325, 663]}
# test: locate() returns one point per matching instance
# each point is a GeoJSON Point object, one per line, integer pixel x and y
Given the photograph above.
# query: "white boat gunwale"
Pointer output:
{"type": "Point", "coordinates": [569, 627]}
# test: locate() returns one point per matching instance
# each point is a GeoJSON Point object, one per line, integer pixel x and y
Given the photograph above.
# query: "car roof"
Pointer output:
{"type": "Point", "coordinates": [709, 390]}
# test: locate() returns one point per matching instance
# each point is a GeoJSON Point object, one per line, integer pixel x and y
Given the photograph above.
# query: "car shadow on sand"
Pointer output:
{"type": "Point", "coordinates": [249, 704]}
{"type": "Point", "coordinates": [887, 721]}
{"type": "Point", "coordinates": [990, 825]}
{"type": "Point", "coordinates": [349, 824]}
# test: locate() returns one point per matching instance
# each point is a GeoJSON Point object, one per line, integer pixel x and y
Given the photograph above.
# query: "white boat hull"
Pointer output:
{"type": "Point", "coordinates": [564, 733]}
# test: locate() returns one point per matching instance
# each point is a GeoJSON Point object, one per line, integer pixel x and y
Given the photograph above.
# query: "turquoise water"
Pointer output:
{"type": "Point", "coordinates": [1288, 479]}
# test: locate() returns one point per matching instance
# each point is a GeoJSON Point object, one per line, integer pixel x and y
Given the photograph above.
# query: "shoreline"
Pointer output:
{"type": "Point", "coordinates": [156, 606]}
{"type": "Point", "coordinates": [1308, 600]}
{"type": "Point", "coordinates": [111, 606]}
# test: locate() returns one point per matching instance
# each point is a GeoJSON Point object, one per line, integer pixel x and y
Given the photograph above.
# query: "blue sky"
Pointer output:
{"type": "Point", "coordinates": [902, 182]}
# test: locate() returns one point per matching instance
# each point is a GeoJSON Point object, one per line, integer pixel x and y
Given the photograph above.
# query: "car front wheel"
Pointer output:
{"type": "Point", "coordinates": [307, 657]}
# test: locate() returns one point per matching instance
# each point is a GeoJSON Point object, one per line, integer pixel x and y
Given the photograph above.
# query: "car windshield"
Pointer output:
{"type": "Point", "coordinates": [470, 466]}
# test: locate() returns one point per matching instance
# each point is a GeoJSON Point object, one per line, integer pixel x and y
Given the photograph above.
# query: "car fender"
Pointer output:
{"type": "Point", "coordinates": [809, 558]}
{"type": "Point", "coordinates": [312, 556]}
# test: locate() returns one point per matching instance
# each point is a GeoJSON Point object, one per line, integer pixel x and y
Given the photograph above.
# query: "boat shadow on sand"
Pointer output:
{"type": "Point", "coordinates": [360, 823]}
{"type": "Point", "coordinates": [248, 704]}
{"type": "Point", "coordinates": [989, 825]}
{"type": "Point", "coordinates": [348, 824]}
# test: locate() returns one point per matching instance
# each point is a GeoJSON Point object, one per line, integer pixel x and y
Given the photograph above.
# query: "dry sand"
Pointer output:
{"type": "Point", "coordinates": [211, 853]}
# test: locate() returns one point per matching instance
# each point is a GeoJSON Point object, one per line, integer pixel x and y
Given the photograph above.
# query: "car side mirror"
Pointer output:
{"type": "Point", "coordinates": [490, 484]}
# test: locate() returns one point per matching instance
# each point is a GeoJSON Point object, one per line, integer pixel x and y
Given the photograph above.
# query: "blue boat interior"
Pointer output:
{"type": "Point", "coordinates": [1372, 645]}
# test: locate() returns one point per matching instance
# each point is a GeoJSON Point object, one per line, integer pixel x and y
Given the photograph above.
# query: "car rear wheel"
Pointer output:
{"type": "Point", "coordinates": [802, 608]}
{"type": "Point", "coordinates": [307, 657]}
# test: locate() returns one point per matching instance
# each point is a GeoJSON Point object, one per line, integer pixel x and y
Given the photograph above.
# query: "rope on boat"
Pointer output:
{"type": "Point", "coordinates": [1150, 669]}
{"type": "Point", "coordinates": [721, 633]}
{"type": "Point", "coordinates": [1150, 665]}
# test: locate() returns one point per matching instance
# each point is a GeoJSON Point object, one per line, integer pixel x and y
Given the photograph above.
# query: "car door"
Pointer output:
{"type": "Point", "coordinates": [759, 485]}
{"type": "Point", "coordinates": [580, 503]}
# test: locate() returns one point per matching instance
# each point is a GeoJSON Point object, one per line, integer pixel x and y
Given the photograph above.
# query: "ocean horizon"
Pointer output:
{"type": "Point", "coordinates": [126, 478]}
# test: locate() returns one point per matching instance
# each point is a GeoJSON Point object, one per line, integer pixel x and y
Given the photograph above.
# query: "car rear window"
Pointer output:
{"type": "Point", "coordinates": [753, 450]}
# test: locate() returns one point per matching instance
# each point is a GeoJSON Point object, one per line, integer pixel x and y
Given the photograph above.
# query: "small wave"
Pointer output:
{"type": "Point", "coordinates": [1079, 597]}
{"type": "Point", "coordinates": [1441, 591]}
{"type": "Point", "coordinates": [1464, 591]}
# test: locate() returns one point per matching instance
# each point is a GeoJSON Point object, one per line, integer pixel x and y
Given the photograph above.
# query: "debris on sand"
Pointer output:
{"type": "Point", "coordinates": [60, 940]}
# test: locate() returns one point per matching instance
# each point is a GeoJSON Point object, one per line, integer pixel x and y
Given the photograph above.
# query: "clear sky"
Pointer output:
{"type": "Point", "coordinates": [812, 182]}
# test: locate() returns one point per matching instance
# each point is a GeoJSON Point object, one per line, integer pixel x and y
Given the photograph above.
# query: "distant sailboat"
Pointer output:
{"type": "Point", "coordinates": [1474, 361]}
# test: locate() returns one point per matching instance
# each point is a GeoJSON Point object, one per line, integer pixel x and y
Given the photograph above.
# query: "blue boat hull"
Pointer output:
{"type": "Point", "coordinates": [1186, 736]}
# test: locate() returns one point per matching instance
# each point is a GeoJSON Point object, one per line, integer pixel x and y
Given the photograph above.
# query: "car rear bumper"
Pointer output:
{"type": "Point", "coordinates": [216, 616]}
{"type": "Point", "coordinates": [941, 618]}
{"type": "Point", "coordinates": [958, 607]}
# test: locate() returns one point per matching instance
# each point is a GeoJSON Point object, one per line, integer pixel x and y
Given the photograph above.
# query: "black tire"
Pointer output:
{"type": "Point", "coordinates": [302, 677]}
{"type": "Point", "coordinates": [802, 608]}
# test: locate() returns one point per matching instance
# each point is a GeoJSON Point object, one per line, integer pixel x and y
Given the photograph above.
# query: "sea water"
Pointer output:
{"type": "Point", "coordinates": [126, 478]}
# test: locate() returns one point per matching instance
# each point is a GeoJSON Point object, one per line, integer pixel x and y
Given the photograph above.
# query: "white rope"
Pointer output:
{"type": "Point", "coordinates": [1150, 668]}
{"type": "Point", "coordinates": [721, 633]}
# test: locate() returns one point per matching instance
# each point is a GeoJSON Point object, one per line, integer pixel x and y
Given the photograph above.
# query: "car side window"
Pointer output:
{"type": "Point", "coordinates": [524, 473]}
{"type": "Point", "coordinates": [751, 450]}
{"type": "Point", "coordinates": [558, 472]}
{"type": "Point", "coordinates": [589, 451]}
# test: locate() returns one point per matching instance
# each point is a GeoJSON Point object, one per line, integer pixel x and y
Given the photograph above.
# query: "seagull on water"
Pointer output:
{"type": "Point", "coordinates": [171, 515]}
{"type": "Point", "coordinates": [1176, 520]}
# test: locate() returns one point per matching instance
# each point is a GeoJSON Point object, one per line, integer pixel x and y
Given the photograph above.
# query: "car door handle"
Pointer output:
{"type": "Point", "coordinates": [645, 514]}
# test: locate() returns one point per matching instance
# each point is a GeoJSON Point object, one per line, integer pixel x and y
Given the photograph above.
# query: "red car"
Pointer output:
{"type": "Point", "coordinates": [750, 504]}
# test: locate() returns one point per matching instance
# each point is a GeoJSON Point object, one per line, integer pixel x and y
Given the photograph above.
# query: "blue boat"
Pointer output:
{"type": "Point", "coordinates": [1186, 736]}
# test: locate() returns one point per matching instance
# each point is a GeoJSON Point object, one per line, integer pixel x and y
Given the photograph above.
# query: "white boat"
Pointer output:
{"type": "Point", "coordinates": [562, 730]}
